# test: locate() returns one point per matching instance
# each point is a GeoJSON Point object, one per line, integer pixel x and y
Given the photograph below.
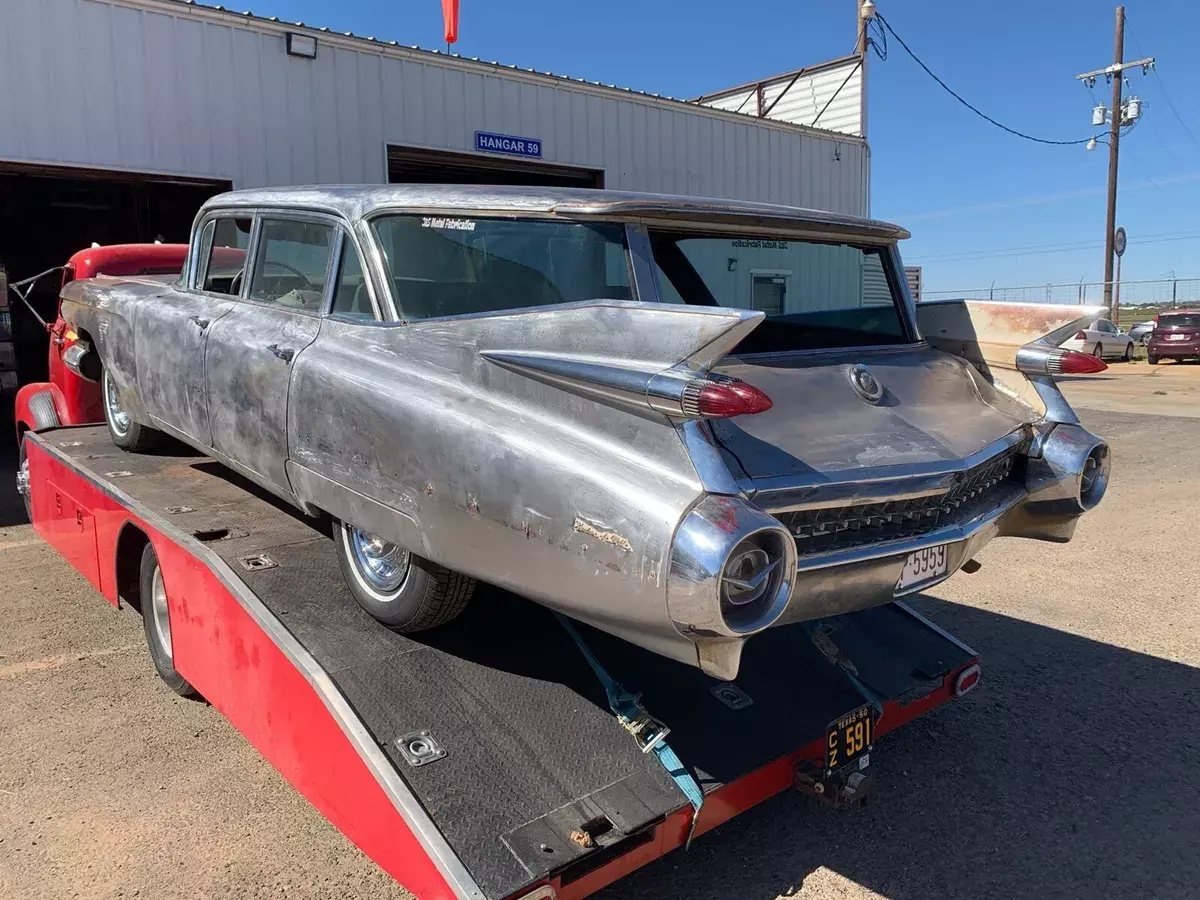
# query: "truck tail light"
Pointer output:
{"type": "Point", "coordinates": [967, 679]}
{"type": "Point", "coordinates": [703, 398]}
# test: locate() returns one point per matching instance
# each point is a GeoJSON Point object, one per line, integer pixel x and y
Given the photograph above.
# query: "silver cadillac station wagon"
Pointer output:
{"type": "Point", "coordinates": [682, 421]}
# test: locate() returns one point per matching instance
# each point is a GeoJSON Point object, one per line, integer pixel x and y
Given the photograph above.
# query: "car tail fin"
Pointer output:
{"type": "Point", "coordinates": [642, 356]}
{"type": "Point", "coordinates": [990, 334]}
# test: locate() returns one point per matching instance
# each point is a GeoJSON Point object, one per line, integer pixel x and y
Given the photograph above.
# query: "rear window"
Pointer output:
{"type": "Point", "coordinates": [1179, 321]}
{"type": "Point", "coordinates": [450, 266]}
{"type": "Point", "coordinates": [815, 294]}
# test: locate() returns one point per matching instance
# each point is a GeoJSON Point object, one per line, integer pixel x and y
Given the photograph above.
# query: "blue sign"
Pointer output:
{"type": "Point", "coordinates": [506, 143]}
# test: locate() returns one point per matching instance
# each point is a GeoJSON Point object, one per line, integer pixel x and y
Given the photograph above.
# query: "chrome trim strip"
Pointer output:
{"type": "Point", "coordinates": [934, 627]}
{"type": "Point", "coordinates": [410, 809]}
{"type": "Point", "coordinates": [947, 534]}
{"type": "Point", "coordinates": [778, 494]}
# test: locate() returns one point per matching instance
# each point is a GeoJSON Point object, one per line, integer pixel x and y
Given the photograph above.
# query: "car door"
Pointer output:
{"type": "Point", "coordinates": [252, 348]}
{"type": "Point", "coordinates": [171, 334]}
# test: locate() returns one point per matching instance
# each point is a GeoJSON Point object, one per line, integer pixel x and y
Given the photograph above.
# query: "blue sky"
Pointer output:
{"type": "Point", "coordinates": [983, 206]}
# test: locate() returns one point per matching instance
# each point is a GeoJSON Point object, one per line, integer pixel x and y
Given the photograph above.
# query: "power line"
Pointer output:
{"type": "Point", "coordinates": [1167, 96]}
{"type": "Point", "coordinates": [959, 98]}
{"type": "Point", "coordinates": [1039, 249]}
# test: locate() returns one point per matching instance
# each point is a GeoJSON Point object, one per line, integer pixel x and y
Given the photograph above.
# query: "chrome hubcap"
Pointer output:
{"type": "Point", "coordinates": [158, 609]}
{"type": "Point", "coordinates": [117, 417]}
{"type": "Point", "coordinates": [382, 564]}
{"type": "Point", "coordinates": [23, 479]}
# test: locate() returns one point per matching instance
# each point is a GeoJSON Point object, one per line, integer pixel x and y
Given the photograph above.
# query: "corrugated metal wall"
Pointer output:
{"type": "Point", "coordinates": [829, 97]}
{"type": "Point", "coordinates": [162, 87]}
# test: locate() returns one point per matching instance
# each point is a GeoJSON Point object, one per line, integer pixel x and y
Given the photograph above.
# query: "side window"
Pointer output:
{"type": "Point", "coordinates": [350, 297]}
{"type": "Point", "coordinates": [223, 245]}
{"type": "Point", "coordinates": [291, 262]}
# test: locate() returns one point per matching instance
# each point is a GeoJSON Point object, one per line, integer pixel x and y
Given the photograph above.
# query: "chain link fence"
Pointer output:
{"type": "Point", "coordinates": [1151, 292]}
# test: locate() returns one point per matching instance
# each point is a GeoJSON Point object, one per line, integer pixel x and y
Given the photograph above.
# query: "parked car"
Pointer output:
{"type": "Point", "coordinates": [1176, 336]}
{"type": "Point", "coordinates": [1140, 333]}
{"type": "Point", "coordinates": [72, 395]}
{"type": "Point", "coordinates": [1101, 338]}
{"type": "Point", "coordinates": [593, 399]}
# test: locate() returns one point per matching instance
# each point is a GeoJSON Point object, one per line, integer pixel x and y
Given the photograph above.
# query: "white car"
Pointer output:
{"type": "Point", "coordinates": [1101, 338]}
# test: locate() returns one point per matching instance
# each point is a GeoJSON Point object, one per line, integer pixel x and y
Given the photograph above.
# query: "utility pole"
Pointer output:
{"type": "Point", "coordinates": [865, 13]}
{"type": "Point", "coordinates": [1114, 150]}
{"type": "Point", "coordinates": [1120, 115]}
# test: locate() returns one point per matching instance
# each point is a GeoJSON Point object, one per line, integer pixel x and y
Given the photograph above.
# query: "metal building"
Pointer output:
{"type": "Point", "coordinates": [119, 117]}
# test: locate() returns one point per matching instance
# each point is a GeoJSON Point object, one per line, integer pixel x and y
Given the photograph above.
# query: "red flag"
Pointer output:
{"type": "Point", "coordinates": [450, 17]}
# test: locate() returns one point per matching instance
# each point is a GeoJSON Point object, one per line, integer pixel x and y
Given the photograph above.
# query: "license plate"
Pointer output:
{"type": "Point", "coordinates": [849, 739]}
{"type": "Point", "coordinates": [922, 566]}
{"type": "Point", "coordinates": [1176, 337]}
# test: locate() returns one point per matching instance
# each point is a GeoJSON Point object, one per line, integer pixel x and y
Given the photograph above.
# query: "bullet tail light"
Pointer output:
{"type": "Point", "coordinates": [705, 398]}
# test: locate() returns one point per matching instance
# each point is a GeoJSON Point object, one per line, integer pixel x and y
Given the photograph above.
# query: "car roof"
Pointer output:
{"type": "Point", "coordinates": [357, 201]}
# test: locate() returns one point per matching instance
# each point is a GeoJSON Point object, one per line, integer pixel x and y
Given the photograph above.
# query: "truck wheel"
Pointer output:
{"type": "Point", "coordinates": [402, 590]}
{"type": "Point", "coordinates": [157, 624]}
{"type": "Point", "coordinates": [23, 486]}
{"type": "Point", "coordinates": [126, 433]}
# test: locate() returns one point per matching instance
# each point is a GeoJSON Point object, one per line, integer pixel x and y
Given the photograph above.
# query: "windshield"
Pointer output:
{"type": "Point", "coordinates": [1179, 321]}
{"type": "Point", "coordinates": [449, 266]}
{"type": "Point", "coordinates": [815, 294]}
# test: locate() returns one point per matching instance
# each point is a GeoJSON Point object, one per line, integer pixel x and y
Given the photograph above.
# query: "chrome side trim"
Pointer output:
{"type": "Point", "coordinates": [792, 493]}
{"type": "Point", "coordinates": [410, 809]}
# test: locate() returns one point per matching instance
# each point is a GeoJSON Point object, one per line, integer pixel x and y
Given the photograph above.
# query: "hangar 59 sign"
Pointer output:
{"type": "Point", "coordinates": [507, 143]}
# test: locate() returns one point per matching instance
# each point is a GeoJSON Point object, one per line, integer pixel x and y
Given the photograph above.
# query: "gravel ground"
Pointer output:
{"type": "Point", "coordinates": [1070, 772]}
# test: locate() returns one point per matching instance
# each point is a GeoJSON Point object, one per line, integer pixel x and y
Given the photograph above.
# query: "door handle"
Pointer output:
{"type": "Point", "coordinates": [200, 323]}
{"type": "Point", "coordinates": [284, 353]}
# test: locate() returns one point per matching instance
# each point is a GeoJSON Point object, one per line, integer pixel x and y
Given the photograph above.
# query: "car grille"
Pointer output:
{"type": "Point", "coordinates": [976, 491]}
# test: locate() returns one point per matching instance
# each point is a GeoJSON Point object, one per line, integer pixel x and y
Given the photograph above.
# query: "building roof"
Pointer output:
{"type": "Point", "coordinates": [205, 10]}
{"type": "Point", "coordinates": [357, 201]}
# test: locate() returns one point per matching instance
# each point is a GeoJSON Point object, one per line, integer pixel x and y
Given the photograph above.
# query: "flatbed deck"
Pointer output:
{"type": "Point", "coordinates": [265, 629]}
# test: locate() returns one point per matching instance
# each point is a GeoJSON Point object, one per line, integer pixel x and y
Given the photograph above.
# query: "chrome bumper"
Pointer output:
{"type": "Point", "coordinates": [1047, 507]}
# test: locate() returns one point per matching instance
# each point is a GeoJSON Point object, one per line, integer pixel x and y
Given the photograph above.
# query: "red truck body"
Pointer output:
{"type": "Point", "coordinates": [68, 399]}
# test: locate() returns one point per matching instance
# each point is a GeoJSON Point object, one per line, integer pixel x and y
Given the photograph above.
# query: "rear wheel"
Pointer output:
{"type": "Point", "coordinates": [1152, 359]}
{"type": "Point", "coordinates": [1099, 351]}
{"type": "Point", "coordinates": [156, 622]}
{"type": "Point", "coordinates": [126, 433]}
{"type": "Point", "coordinates": [23, 487]}
{"type": "Point", "coordinates": [402, 590]}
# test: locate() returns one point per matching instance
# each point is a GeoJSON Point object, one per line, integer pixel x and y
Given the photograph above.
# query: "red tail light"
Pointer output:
{"type": "Point", "coordinates": [723, 399]}
{"type": "Point", "coordinates": [1080, 336]}
{"type": "Point", "coordinates": [967, 679]}
{"type": "Point", "coordinates": [1072, 362]}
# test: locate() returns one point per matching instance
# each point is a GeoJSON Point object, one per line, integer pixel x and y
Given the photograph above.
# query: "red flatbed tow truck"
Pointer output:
{"type": "Point", "coordinates": [479, 760]}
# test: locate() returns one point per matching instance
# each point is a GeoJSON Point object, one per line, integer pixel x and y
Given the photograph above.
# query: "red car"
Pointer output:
{"type": "Point", "coordinates": [72, 395]}
{"type": "Point", "coordinates": [1176, 335]}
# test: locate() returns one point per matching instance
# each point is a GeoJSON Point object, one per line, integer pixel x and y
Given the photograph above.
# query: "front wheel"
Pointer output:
{"type": "Point", "coordinates": [125, 433]}
{"type": "Point", "coordinates": [402, 590]}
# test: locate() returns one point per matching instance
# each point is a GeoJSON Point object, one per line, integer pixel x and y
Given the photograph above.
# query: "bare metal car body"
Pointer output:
{"type": "Point", "coordinates": [556, 450]}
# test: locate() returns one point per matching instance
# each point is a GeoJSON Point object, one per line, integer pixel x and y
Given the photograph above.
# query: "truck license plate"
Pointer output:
{"type": "Point", "coordinates": [849, 738]}
{"type": "Point", "coordinates": [922, 566]}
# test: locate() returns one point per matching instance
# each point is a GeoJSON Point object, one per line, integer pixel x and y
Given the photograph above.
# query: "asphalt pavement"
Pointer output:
{"type": "Point", "coordinates": [1070, 772]}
